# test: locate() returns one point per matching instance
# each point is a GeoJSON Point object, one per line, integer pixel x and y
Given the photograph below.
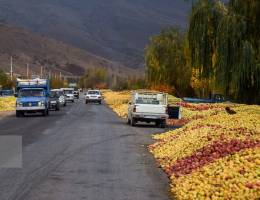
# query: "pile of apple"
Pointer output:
{"type": "Point", "coordinates": [213, 157]}
{"type": "Point", "coordinates": [209, 154]}
{"type": "Point", "coordinates": [7, 103]}
{"type": "Point", "coordinates": [118, 101]}
{"type": "Point", "coordinates": [232, 177]}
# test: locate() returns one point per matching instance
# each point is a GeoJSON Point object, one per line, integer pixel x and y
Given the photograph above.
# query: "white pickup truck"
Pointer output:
{"type": "Point", "coordinates": [148, 107]}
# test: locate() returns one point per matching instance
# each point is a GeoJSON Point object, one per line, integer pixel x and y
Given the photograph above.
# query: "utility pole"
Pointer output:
{"type": "Point", "coordinates": [11, 70]}
{"type": "Point", "coordinates": [27, 71]}
{"type": "Point", "coordinates": [41, 72]}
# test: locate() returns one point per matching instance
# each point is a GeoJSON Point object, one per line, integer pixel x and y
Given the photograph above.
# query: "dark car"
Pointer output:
{"type": "Point", "coordinates": [6, 92]}
{"type": "Point", "coordinates": [76, 94]}
{"type": "Point", "coordinates": [54, 100]}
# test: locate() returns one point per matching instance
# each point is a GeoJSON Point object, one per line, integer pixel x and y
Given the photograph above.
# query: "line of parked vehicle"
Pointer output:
{"type": "Point", "coordinates": [35, 96]}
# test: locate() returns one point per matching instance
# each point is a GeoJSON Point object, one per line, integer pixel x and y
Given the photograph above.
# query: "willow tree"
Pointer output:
{"type": "Point", "coordinates": [238, 50]}
{"type": "Point", "coordinates": [224, 45]}
{"type": "Point", "coordinates": [166, 61]}
{"type": "Point", "coordinates": [202, 32]}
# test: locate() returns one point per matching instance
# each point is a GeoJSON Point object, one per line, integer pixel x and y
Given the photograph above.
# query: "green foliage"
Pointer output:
{"type": "Point", "coordinates": [94, 78]}
{"type": "Point", "coordinates": [130, 83]}
{"type": "Point", "coordinates": [202, 35]}
{"type": "Point", "coordinates": [167, 60]}
{"type": "Point", "coordinates": [224, 45]}
{"type": "Point", "coordinates": [5, 81]}
{"type": "Point", "coordinates": [57, 83]}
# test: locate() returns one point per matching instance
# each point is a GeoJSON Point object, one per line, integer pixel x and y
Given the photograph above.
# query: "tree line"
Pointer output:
{"type": "Point", "coordinates": [219, 53]}
{"type": "Point", "coordinates": [5, 81]}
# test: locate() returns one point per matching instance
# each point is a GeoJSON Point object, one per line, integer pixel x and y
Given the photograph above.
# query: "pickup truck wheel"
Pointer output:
{"type": "Point", "coordinates": [133, 122]}
{"type": "Point", "coordinates": [19, 114]}
{"type": "Point", "coordinates": [163, 123]}
{"type": "Point", "coordinates": [45, 113]}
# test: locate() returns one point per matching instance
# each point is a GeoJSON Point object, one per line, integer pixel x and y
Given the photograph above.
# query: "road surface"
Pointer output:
{"type": "Point", "coordinates": [82, 152]}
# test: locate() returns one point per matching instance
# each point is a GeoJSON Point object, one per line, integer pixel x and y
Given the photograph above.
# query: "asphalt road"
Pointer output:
{"type": "Point", "coordinates": [82, 152]}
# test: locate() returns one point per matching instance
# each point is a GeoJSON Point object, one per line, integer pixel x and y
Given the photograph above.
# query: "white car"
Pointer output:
{"type": "Point", "coordinates": [148, 107]}
{"type": "Point", "coordinates": [69, 94]}
{"type": "Point", "coordinates": [93, 96]}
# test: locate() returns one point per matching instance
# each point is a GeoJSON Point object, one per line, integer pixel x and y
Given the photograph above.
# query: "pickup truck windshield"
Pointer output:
{"type": "Point", "coordinates": [153, 99]}
{"type": "Point", "coordinates": [147, 101]}
{"type": "Point", "coordinates": [31, 93]}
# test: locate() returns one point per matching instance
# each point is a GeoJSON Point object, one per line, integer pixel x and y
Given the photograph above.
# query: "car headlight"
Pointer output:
{"type": "Point", "coordinates": [20, 104]}
{"type": "Point", "coordinates": [41, 103]}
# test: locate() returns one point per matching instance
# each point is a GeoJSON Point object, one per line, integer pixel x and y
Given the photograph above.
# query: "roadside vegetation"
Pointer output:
{"type": "Point", "coordinates": [7, 103]}
{"type": "Point", "coordinates": [218, 54]}
{"type": "Point", "coordinates": [214, 155]}
{"type": "Point", "coordinates": [5, 81]}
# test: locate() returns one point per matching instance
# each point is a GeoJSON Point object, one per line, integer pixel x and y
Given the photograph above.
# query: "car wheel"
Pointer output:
{"type": "Point", "coordinates": [163, 123]}
{"type": "Point", "coordinates": [133, 122]}
{"type": "Point", "coordinates": [158, 123]}
{"type": "Point", "coordinates": [44, 113]}
{"type": "Point", "coordinates": [19, 114]}
{"type": "Point", "coordinates": [128, 121]}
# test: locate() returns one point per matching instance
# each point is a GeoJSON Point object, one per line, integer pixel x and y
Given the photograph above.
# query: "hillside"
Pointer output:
{"type": "Point", "coordinates": [115, 29]}
{"type": "Point", "coordinates": [55, 56]}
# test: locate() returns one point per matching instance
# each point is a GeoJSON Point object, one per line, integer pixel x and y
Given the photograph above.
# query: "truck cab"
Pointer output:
{"type": "Point", "coordinates": [32, 97]}
{"type": "Point", "coordinates": [148, 107]}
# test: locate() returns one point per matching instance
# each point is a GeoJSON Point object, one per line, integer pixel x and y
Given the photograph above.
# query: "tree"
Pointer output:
{"type": "Point", "coordinates": [224, 45]}
{"type": "Point", "coordinates": [56, 82]}
{"type": "Point", "coordinates": [94, 78]}
{"type": "Point", "coordinates": [5, 81]}
{"type": "Point", "coordinates": [167, 61]}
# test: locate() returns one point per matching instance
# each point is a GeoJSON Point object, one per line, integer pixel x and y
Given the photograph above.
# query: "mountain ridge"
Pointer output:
{"type": "Point", "coordinates": [55, 56]}
{"type": "Point", "coordinates": [117, 29]}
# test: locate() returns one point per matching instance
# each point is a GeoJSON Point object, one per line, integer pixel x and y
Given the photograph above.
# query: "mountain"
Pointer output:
{"type": "Point", "coordinates": [54, 56]}
{"type": "Point", "coordinates": [115, 29]}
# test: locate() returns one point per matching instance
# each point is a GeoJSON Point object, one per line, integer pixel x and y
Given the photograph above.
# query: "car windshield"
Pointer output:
{"type": "Point", "coordinates": [31, 93]}
{"type": "Point", "coordinates": [54, 94]}
{"type": "Point", "coordinates": [68, 91]}
{"type": "Point", "coordinates": [93, 92]}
